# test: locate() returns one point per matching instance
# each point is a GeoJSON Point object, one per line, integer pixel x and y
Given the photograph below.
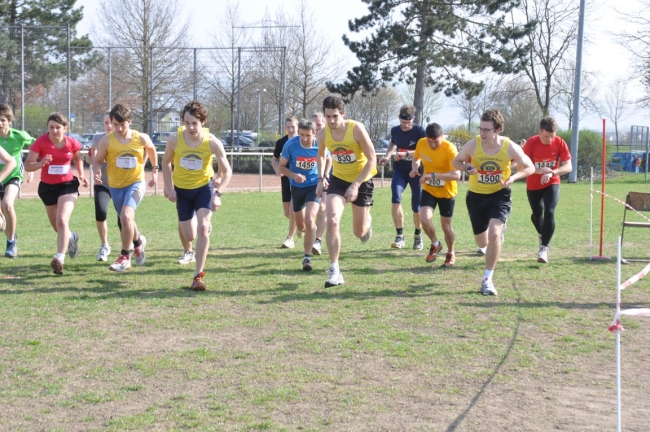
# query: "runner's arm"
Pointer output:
{"type": "Point", "coordinates": [524, 164]}
{"type": "Point", "coordinates": [9, 164]}
{"type": "Point", "coordinates": [150, 149]}
{"type": "Point", "coordinates": [362, 138]}
{"type": "Point", "coordinates": [225, 171]}
{"type": "Point", "coordinates": [78, 160]}
{"type": "Point", "coordinates": [99, 158]}
{"type": "Point", "coordinates": [31, 163]}
{"type": "Point", "coordinates": [461, 161]}
{"type": "Point", "coordinates": [168, 157]}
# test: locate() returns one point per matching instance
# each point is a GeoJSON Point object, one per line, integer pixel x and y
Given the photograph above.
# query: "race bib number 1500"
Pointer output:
{"type": "Point", "coordinates": [489, 177]}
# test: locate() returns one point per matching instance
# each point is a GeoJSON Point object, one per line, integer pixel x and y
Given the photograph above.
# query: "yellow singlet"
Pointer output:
{"type": "Point", "coordinates": [437, 161]}
{"type": "Point", "coordinates": [124, 161]}
{"type": "Point", "coordinates": [348, 160]}
{"type": "Point", "coordinates": [192, 166]}
{"type": "Point", "coordinates": [491, 169]}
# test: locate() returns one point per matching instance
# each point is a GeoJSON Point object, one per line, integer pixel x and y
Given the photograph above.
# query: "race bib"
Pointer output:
{"type": "Point", "coordinates": [405, 158]}
{"type": "Point", "coordinates": [58, 169]}
{"type": "Point", "coordinates": [545, 164]}
{"type": "Point", "coordinates": [435, 182]}
{"type": "Point", "coordinates": [192, 164]}
{"type": "Point", "coordinates": [305, 163]}
{"type": "Point", "coordinates": [345, 157]}
{"type": "Point", "coordinates": [489, 177]}
{"type": "Point", "coordinates": [126, 162]}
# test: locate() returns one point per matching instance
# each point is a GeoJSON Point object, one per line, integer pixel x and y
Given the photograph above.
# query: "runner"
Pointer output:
{"type": "Point", "coordinates": [58, 188]}
{"type": "Point", "coordinates": [13, 141]}
{"type": "Point", "coordinates": [354, 165]}
{"type": "Point", "coordinates": [321, 218]}
{"type": "Point", "coordinates": [403, 140]}
{"type": "Point", "coordinates": [488, 199]}
{"type": "Point", "coordinates": [291, 126]}
{"type": "Point", "coordinates": [102, 194]}
{"type": "Point", "coordinates": [298, 164]}
{"type": "Point", "coordinates": [191, 186]}
{"type": "Point", "coordinates": [438, 181]}
{"type": "Point", "coordinates": [123, 151]}
{"type": "Point", "coordinates": [552, 159]}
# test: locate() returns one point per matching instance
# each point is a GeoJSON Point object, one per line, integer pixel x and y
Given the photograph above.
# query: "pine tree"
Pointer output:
{"type": "Point", "coordinates": [432, 43]}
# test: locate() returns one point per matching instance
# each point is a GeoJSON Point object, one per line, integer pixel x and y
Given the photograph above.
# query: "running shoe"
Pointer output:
{"type": "Point", "coordinates": [481, 251]}
{"type": "Point", "coordinates": [417, 242]}
{"type": "Point", "coordinates": [316, 248]}
{"type": "Point", "coordinates": [299, 234]}
{"type": "Point", "coordinates": [197, 283]}
{"type": "Point", "coordinates": [186, 258]}
{"type": "Point", "coordinates": [57, 266]}
{"type": "Point", "coordinates": [3, 222]}
{"type": "Point", "coordinates": [139, 251]}
{"type": "Point", "coordinates": [433, 252]}
{"type": "Point", "coordinates": [104, 252]}
{"type": "Point", "coordinates": [288, 243]}
{"type": "Point", "coordinates": [306, 264]}
{"type": "Point", "coordinates": [450, 260]}
{"type": "Point", "coordinates": [12, 249]}
{"type": "Point", "coordinates": [368, 235]}
{"type": "Point", "coordinates": [487, 288]}
{"type": "Point", "coordinates": [123, 263]}
{"type": "Point", "coordinates": [398, 243]}
{"type": "Point", "coordinates": [542, 255]}
{"type": "Point", "coordinates": [335, 278]}
{"type": "Point", "coordinates": [73, 244]}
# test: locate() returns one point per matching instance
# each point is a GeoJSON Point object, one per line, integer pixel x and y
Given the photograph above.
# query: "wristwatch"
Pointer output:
{"type": "Point", "coordinates": [217, 193]}
{"type": "Point", "coordinates": [155, 167]}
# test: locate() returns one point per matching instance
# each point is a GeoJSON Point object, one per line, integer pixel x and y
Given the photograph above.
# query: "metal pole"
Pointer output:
{"type": "Point", "coordinates": [618, 338]}
{"type": "Point", "coordinates": [575, 130]}
{"type": "Point", "coordinates": [151, 90]}
{"type": "Point", "coordinates": [238, 96]}
{"type": "Point", "coordinates": [261, 162]}
{"type": "Point", "coordinates": [68, 79]}
{"type": "Point", "coordinates": [195, 96]}
{"type": "Point", "coordinates": [22, 78]}
{"type": "Point", "coordinates": [647, 138]}
{"type": "Point", "coordinates": [259, 100]}
{"type": "Point", "coordinates": [284, 91]}
{"type": "Point", "coordinates": [110, 80]}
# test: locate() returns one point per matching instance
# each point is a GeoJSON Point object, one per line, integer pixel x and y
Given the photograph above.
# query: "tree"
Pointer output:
{"type": "Point", "coordinates": [431, 43]}
{"type": "Point", "coordinates": [516, 101]}
{"type": "Point", "coordinates": [45, 35]}
{"type": "Point", "coordinates": [156, 35]}
{"type": "Point", "coordinates": [564, 82]}
{"type": "Point", "coordinates": [548, 45]}
{"type": "Point", "coordinates": [431, 102]}
{"type": "Point", "coordinates": [473, 105]}
{"type": "Point", "coordinates": [375, 110]}
{"type": "Point", "coordinates": [615, 104]}
{"type": "Point", "coordinates": [638, 43]}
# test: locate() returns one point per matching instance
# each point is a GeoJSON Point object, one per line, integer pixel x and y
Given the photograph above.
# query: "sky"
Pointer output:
{"type": "Point", "coordinates": [602, 56]}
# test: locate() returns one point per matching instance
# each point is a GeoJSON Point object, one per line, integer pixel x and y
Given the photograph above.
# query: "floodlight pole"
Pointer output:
{"type": "Point", "coordinates": [259, 103]}
{"type": "Point", "coordinates": [575, 129]}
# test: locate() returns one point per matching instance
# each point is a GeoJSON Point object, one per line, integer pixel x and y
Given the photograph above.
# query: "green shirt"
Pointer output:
{"type": "Point", "coordinates": [14, 144]}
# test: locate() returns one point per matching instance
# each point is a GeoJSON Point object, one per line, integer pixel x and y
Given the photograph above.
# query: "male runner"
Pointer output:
{"type": "Point", "coordinates": [552, 159]}
{"type": "Point", "coordinates": [298, 163]}
{"type": "Point", "coordinates": [438, 181]}
{"type": "Point", "coordinates": [403, 140]}
{"type": "Point", "coordinates": [123, 151]}
{"type": "Point", "coordinates": [13, 141]}
{"type": "Point", "coordinates": [291, 127]}
{"type": "Point", "coordinates": [191, 186]}
{"type": "Point", "coordinates": [321, 218]}
{"type": "Point", "coordinates": [354, 165]}
{"type": "Point", "coordinates": [488, 199]}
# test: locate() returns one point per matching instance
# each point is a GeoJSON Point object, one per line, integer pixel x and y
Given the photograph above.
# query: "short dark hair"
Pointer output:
{"type": "Point", "coordinates": [307, 124]}
{"type": "Point", "coordinates": [195, 109]}
{"type": "Point", "coordinates": [494, 116]}
{"type": "Point", "coordinates": [5, 110]}
{"type": "Point", "coordinates": [434, 130]}
{"type": "Point", "coordinates": [407, 112]}
{"type": "Point", "coordinates": [334, 102]}
{"type": "Point", "coordinates": [291, 119]}
{"type": "Point", "coordinates": [121, 113]}
{"type": "Point", "coordinates": [548, 124]}
{"type": "Point", "coordinates": [58, 118]}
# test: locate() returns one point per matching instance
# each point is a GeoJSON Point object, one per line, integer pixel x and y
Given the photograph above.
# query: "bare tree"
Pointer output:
{"type": "Point", "coordinates": [473, 105]}
{"type": "Point", "coordinates": [564, 83]}
{"type": "Point", "coordinates": [516, 101]}
{"type": "Point", "coordinates": [549, 44]}
{"type": "Point", "coordinates": [431, 101]}
{"type": "Point", "coordinates": [375, 110]}
{"type": "Point", "coordinates": [615, 104]}
{"type": "Point", "coordinates": [638, 43]}
{"type": "Point", "coordinates": [156, 33]}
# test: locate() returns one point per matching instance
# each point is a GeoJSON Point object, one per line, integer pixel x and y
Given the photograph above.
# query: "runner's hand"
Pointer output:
{"type": "Point", "coordinates": [546, 178]}
{"type": "Point", "coordinates": [170, 195]}
{"type": "Point", "coordinates": [399, 155]}
{"type": "Point", "coordinates": [423, 179]}
{"type": "Point", "coordinates": [352, 193]}
{"type": "Point", "coordinates": [98, 177]}
{"type": "Point", "coordinates": [470, 170]}
{"type": "Point", "coordinates": [84, 181]}
{"type": "Point", "coordinates": [507, 183]}
{"type": "Point", "coordinates": [154, 179]}
{"type": "Point", "coordinates": [299, 178]}
{"type": "Point", "coordinates": [216, 202]}
{"type": "Point", "coordinates": [46, 160]}
{"type": "Point", "coordinates": [319, 188]}
{"type": "Point", "coordinates": [414, 173]}
{"type": "Point", "coordinates": [383, 161]}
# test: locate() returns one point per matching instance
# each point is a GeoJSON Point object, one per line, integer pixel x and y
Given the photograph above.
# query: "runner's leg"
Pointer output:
{"type": "Point", "coordinates": [334, 209]}
{"type": "Point", "coordinates": [201, 230]}
{"type": "Point", "coordinates": [8, 210]}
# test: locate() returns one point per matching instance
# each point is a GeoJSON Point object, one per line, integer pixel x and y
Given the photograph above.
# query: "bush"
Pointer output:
{"type": "Point", "coordinates": [459, 135]}
{"type": "Point", "coordinates": [590, 151]}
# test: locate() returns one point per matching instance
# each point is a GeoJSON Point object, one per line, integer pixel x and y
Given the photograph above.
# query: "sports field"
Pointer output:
{"type": "Point", "coordinates": [403, 345]}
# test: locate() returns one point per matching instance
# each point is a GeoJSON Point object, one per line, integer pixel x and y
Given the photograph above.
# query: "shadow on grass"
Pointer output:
{"type": "Point", "coordinates": [506, 355]}
{"type": "Point", "coordinates": [539, 305]}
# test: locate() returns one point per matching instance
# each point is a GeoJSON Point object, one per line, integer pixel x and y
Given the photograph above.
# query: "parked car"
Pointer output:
{"type": "Point", "coordinates": [240, 141]}
{"type": "Point", "coordinates": [159, 139]}
{"type": "Point", "coordinates": [85, 143]}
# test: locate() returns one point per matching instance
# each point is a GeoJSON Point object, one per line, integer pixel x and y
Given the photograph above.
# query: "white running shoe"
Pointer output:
{"type": "Point", "coordinates": [316, 248]}
{"type": "Point", "coordinates": [123, 263]}
{"type": "Point", "coordinates": [335, 279]}
{"type": "Point", "coordinates": [482, 251]}
{"type": "Point", "coordinates": [186, 258]}
{"type": "Point", "coordinates": [417, 242]}
{"type": "Point", "coordinates": [542, 255]}
{"type": "Point", "coordinates": [73, 246]}
{"type": "Point", "coordinates": [368, 235]}
{"type": "Point", "coordinates": [139, 251]}
{"type": "Point", "coordinates": [288, 243]}
{"type": "Point", "coordinates": [104, 252]}
{"type": "Point", "coordinates": [398, 243]}
{"type": "Point", "coordinates": [487, 288]}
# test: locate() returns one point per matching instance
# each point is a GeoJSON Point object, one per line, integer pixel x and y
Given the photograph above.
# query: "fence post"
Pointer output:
{"type": "Point", "coordinates": [68, 77]}
{"type": "Point", "coordinates": [91, 181]}
{"type": "Point", "coordinates": [261, 162]}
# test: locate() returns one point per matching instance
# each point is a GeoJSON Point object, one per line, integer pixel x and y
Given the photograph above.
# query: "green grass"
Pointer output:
{"type": "Point", "coordinates": [403, 345]}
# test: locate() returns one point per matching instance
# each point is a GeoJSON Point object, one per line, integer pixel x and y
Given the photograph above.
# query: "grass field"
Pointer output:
{"type": "Point", "coordinates": [403, 345]}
